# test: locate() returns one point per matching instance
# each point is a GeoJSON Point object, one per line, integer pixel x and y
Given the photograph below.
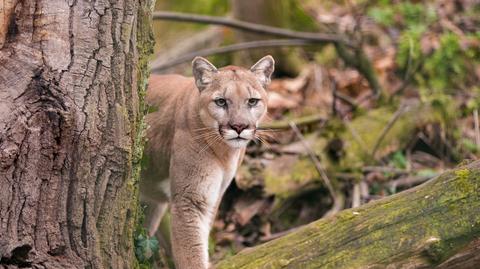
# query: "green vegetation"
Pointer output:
{"type": "Point", "coordinates": [436, 60]}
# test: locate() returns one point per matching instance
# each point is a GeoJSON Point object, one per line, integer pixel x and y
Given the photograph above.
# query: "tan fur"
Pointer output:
{"type": "Point", "coordinates": [194, 148]}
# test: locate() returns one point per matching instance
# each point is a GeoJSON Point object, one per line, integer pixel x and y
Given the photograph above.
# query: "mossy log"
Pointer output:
{"type": "Point", "coordinates": [435, 225]}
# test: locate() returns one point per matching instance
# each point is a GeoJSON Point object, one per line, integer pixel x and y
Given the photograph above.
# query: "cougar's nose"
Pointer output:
{"type": "Point", "coordinates": [238, 127]}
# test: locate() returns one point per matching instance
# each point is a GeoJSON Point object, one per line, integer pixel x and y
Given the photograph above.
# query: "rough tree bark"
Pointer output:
{"type": "Point", "coordinates": [435, 225]}
{"type": "Point", "coordinates": [72, 76]}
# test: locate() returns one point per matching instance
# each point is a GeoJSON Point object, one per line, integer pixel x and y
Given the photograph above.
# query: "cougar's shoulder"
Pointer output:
{"type": "Point", "coordinates": [167, 96]}
{"type": "Point", "coordinates": [165, 88]}
{"type": "Point", "coordinates": [164, 97]}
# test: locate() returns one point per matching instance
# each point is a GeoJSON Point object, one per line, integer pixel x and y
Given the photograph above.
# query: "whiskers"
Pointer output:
{"type": "Point", "coordinates": [207, 135]}
{"type": "Point", "coordinates": [263, 135]}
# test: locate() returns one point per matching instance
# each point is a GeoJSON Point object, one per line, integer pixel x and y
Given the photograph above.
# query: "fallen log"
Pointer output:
{"type": "Point", "coordinates": [434, 225]}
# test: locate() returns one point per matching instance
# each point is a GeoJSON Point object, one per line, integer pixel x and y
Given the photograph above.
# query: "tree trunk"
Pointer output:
{"type": "Point", "coordinates": [435, 225]}
{"type": "Point", "coordinates": [72, 77]}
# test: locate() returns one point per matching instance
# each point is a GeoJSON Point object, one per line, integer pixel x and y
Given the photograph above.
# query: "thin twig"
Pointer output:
{"type": "Point", "coordinates": [387, 128]}
{"type": "Point", "coordinates": [314, 159]}
{"type": "Point", "coordinates": [356, 196]}
{"type": "Point", "coordinates": [251, 27]}
{"type": "Point", "coordinates": [384, 169]}
{"type": "Point", "coordinates": [334, 97]}
{"type": "Point", "coordinates": [477, 128]}
{"type": "Point", "coordinates": [364, 190]}
{"type": "Point", "coordinates": [406, 182]}
{"type": "Point", "coordinates": [285, 124]}
{"type": "Point", "coordinates": [347, 99]}
{"type": "Point", "coordinates": [271, 237]}
{"type": "Point", "coordinates": [235, 47]}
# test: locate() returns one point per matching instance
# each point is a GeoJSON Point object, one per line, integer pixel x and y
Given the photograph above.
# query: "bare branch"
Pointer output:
{"type": "Point", "coordinates": [387, 128]}
{"type": "Point", "coordinates": [239, 46]}
{"type": "Point", "coordinates": [314, 159]}
{"type": "Point", "coordinates": [356, 196]}
{"type": "Point", "coordinates": [347, 99]}
{"type": "Point", "coordinates": [358, 59]}
{"type": "Point", "coordinates": [301, 121]}
{"type": "Point", "coordinates": [209, 38]}
{"type": "Point", "coordinates": [409, 181]}
{"type": "Point", "coordinates": [251, 27]}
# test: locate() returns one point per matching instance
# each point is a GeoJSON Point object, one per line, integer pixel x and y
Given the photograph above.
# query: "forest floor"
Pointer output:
{"type": "Point", "coordinates": [330, 143]}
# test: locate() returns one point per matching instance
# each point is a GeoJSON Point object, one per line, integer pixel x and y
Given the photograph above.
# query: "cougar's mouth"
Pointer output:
{"type": "Point", "coordinates": [237, 138]}
{"type": "Point", "coordinates": [231, 136]}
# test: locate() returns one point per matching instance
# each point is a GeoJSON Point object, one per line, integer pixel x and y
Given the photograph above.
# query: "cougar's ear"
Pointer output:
{"type": "Point", "coordinates": [203, 72]}
{"type": "Point", "coordinates": [263, 70]}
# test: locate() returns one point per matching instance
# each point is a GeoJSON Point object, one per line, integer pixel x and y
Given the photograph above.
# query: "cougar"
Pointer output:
{"type": "Point", "coordinates": [196, 139]}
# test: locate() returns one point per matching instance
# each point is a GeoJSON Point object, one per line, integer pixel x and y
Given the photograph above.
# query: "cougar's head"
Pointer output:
{"type": "Point", "coordinates": [233, 100]}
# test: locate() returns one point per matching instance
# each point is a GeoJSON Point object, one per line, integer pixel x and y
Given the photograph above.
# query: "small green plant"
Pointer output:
{"type": "Point", "coordinates": [446, 67]}
{"type": "Point", "coordinates": [383, 15]}
{"type": "Point", "coordinates": [146, 248]}
{"type": "Point", "coordinates": [432, 56]}
{"type": "Point", "coordinates": [399, 160]}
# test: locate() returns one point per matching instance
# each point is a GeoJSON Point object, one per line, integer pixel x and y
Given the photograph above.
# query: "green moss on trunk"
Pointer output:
{"type": "Point", "coordinates": [145, 45]}
{"type": "Point", "coordinates": [421, 227]}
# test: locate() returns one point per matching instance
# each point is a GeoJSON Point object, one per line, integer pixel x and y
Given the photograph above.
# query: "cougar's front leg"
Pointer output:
{"type": "Point", "coordinates": [193, 207]}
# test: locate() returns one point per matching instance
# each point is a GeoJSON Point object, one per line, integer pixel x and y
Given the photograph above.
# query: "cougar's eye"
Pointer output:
{"type": "Point", "coordinates": [253, 101]}
{"type": "Point", "coordinates": [221, 102]}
